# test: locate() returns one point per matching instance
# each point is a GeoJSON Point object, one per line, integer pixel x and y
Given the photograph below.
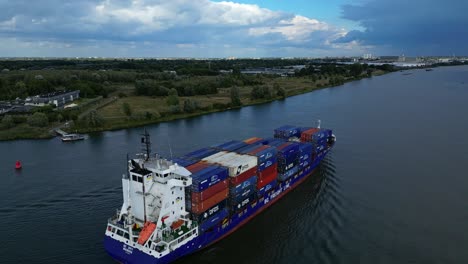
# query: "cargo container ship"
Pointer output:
{"type": "Point", "coordinates": [175, 207]}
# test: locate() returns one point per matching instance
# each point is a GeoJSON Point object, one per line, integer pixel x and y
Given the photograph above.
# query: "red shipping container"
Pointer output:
{"type": "Point", "coordinates": [208, 193]}
{"type": "Point", "coordinates": [197, 166]}
{"type": "Point", "coordinates": [306, 136]}
{"type": "Point", "coordinates": [243, 176]}
{"type": "Point", "coordinates": [271, 177]}
{"type": "Point", "coordinates": [268, 171]}
{"type": "Point", "coordinates": [201, 207]}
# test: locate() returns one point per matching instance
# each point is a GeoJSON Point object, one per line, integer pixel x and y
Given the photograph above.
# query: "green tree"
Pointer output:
{"type": "Point", "coordinates": [190, 106]}
{"type": "Point", "coordinates": [20, 88]}
{"type": "Point", "coordinates": [7, 121]}
{"type": "Point", "coordinates": [127, 109]}
{"type": "Point", "coordinates": [235, 96]}
{"type": "Point", "coordinates": [38, 119]}
{"type": "Point", "coordinates": [174, 109]}
{"type": "Point", "coordinates": [279, 90]}
{"type": "Point", "coordinates": [173, 97]}
{"type": "Point", "coordinates": [355, 70]}
{"type": "Point", "coordinates": [93, 119]}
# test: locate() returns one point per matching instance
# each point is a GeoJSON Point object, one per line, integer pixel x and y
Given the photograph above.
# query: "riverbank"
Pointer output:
{"type": "Point", "coordinates": [146, 109]}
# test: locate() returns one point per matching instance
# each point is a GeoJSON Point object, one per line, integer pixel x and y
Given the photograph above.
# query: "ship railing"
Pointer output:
{"type": "Point", "coordinates": [179, 239]}
{"type": "Point", "coordinates": [113, 222]}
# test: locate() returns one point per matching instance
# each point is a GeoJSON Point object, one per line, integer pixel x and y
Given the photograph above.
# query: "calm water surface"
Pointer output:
{"type": "Point", "coordinates": [393, 190]}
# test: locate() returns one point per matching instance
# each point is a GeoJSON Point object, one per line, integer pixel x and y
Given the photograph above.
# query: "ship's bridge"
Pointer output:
{"type": "Point", "coordinates": [166, 172]}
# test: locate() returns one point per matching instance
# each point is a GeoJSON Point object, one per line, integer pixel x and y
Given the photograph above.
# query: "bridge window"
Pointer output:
{"type": "Point", "coordinates": [137, 178]}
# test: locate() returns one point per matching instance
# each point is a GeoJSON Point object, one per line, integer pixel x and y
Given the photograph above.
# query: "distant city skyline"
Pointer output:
{"type": "Point", "coordinates": [244, 28]}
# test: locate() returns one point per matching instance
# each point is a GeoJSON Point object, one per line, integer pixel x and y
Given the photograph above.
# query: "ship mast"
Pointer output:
{"type": "Point", "coordinates": [146, 142]}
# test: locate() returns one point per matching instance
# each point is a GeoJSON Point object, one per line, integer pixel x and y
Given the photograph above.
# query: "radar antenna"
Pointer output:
{"type": "Point", "coordinates": [146, 144]}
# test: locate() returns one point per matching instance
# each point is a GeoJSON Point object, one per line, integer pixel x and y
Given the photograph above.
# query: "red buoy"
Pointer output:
{"type": "Point", "coordinates": [18, 165]}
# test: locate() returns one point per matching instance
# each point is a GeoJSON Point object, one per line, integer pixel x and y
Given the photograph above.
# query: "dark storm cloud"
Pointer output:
{"type": "Point", "coordinates": [414, 27]}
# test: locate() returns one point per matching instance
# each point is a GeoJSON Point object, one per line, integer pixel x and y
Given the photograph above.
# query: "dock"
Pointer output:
{"type": "Point", "coordinates": [60, 132]}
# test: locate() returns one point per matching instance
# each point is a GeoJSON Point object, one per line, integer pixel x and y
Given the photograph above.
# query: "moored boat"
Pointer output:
{"type": "Point", "coordinates": [72, 137]}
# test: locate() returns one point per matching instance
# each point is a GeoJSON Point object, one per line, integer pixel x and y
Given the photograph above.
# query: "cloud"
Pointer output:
{"type": "Point", "coordinates": [416, 27]}
{"type": "Point", "coordinates": [203, 27]}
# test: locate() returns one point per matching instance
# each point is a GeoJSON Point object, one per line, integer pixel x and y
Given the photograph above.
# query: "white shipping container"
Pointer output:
{"type": "Point", "coordinates": [240, 164]}
{"type": "Point", "coordinates": [215, 156]}
{"type": "Point", "coordinates": [224, 158]}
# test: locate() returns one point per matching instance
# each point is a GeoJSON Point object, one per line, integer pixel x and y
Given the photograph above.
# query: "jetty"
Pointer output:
{"type": "Point", "coordinates": [60, 132]}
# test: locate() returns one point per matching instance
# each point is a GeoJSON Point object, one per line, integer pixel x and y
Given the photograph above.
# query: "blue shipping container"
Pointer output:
{"type": "Point", "coordinates": [265, 189]}
{"type": "Point", "coordinates": [266, 154]}
{"type": "Point", "coordinates": [213, 220]}
{"type": "Point", "coordinates": [235, 146]}
{"type": "Point", "coordinates": [184, 162]}
{"type": "Point", "coordinates": [222, 145]}
{"type": "Point", "coordinates": [210, 212]}
{"type": "Point", "coordinates": [252, 181]}
{"type": "Point", "coordinates": [249, 148]}
{"type": "Point", "coordinates": [287, 132]}
{"type": "Point", "coordinates": [305, 151]}
{"type": "Point", "coordinates": [304, 164]}
{"type": "Point", "coordinates": [266, 164]}
{"type": "Point", "coordinates": [237, 198]}
{"type": "Point", "coordinates": [238, 205]}
{"type": "Point", "coordinates": [322, 134]}
{"type": "Point", "coordinates": [287, 174]}
{"type": "Point", "coordinates": [272, 141]}
{"type": "Point", "coordinates": [208, 177]}
{"type": "Point", "coordinates": [200, 154]}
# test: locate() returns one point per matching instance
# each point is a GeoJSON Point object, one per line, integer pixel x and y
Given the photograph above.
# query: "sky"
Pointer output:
{"type": "Point", "coordinates": [241, 28]}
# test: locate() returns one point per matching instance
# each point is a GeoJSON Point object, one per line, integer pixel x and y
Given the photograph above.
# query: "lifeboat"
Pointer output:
{"type": "Point", "coordinates": [146, 232]}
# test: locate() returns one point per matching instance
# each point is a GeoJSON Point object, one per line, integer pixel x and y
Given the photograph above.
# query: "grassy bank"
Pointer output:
{"type": "Point", "coordinates": [110, 112]}
{"type": "Point", "coordinates": [114, 117]}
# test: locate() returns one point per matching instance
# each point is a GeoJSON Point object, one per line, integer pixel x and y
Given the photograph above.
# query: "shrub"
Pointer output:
{"type": "Point", "coordinates": [7, 121]}
{"type": "Point", "coordinates": [38, 119]}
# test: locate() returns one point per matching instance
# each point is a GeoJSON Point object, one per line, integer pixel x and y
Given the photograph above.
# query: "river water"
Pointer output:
{"type": "Point", "coordinates": [393, 190]}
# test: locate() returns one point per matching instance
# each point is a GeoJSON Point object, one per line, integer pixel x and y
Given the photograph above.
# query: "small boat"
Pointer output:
{"type": "Point", "coordinates": [429, 69]}
{"type": "Point", "coordinates": [18, 165]}
{"type": "Point", "coordinates": [72, 137]}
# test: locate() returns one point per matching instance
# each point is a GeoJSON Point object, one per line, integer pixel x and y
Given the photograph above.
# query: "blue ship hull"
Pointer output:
{"type": "Point", "coordinates": [125, 253]}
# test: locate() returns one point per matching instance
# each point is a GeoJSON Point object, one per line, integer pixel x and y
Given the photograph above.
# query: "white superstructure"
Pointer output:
{"type": "Point", "coordinates": [153, 217]}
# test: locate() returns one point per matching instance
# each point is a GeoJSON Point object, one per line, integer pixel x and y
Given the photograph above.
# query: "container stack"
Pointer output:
{"type": "Point", "coordinates": [288, 155]}
{"type": "Point", "coordinates": [229, 177]}
{"type": "Point", "coordinates": [267, 168]}
{"type": "Point", "coordinates": [318, 138]}
{"type": "Point", "coordinates": [199, 154]}
{"type": "Point", "coordinates": [207, 198]}
{"type": "Point", "coordinates": [305, 155]}
{"type": "Point", "coordinates": [231, 145]}
{"type": "Point", "coordinates": [242, 171]}
{"type": "Point", "coordinates": [286, 132]}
